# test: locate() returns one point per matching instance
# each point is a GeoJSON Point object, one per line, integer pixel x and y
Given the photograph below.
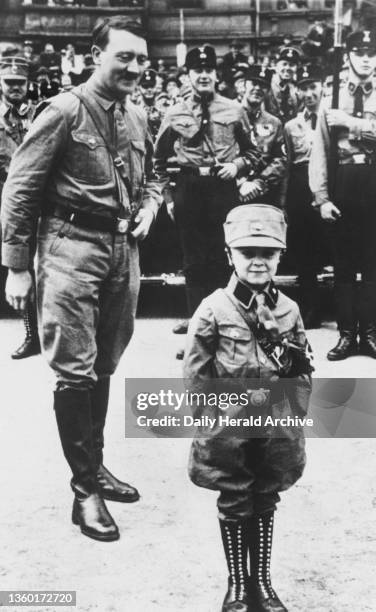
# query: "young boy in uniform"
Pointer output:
{"type": "Point", "coordinates": [251, 330]}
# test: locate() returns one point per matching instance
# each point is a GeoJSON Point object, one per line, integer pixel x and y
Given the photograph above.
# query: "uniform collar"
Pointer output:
{"type": "Point", "coordinates": [307, 114]}
{"type": "Point", "coordinates": [367, 86]}
{"type": "Point", "coordinates": [8, 109]}
{"type": "Point", "coordinates": [253, 114]}
{"type": "Point", "coordinates": [101, 94]}
{"type": "Point", "coordinates": [247, 297]}
{"type": "Point", "coordinates": [196, 99]}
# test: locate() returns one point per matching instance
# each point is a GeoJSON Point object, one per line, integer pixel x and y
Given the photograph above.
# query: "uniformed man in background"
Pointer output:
{"type": "Point", "coordinates": [346, 195]}
{"type": "Point", "coordinates": [211, 139]}
{"type": "Point", "coordinates": [16, 114]}
{"type": "Point", "coordinates": [264, 186]}
{"type": "Point", "coordinates": [282, 99]}
{"type": "Point", "coordinates": [147, 87]}
{"type": "Point", "coordinates": [305, 239]}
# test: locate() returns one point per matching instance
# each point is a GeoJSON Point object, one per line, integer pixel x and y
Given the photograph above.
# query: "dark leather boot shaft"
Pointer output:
{"type": "Point", "coordinates": [95, 521]}
{"type": "Point", "coordinates": [262, 596]}
{"type": "Point", "coordinates": [99, 397]}
{"type": "Point", "coordinates": [346, 346]}
{"type": "Point", "coordinates": [235, 544]}
{"type": "Point", "coordinates": [367, 344]}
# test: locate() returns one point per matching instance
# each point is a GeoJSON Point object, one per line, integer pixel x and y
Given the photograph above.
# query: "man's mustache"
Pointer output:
{"type": "Point", "coordinates": [131, 76]}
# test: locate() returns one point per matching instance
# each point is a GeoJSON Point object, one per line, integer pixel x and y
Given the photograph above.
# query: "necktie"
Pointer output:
{"type": "Point", "coordinates": [204, 125]}
{"type": "Point", "coordinates": [265, 316]}
{"type": "Point", "coordinates": [358, 102]}
{"type": "Point", "coordinates": [285, 101]}
{"type": "Point", "coordinates": [313, 120]}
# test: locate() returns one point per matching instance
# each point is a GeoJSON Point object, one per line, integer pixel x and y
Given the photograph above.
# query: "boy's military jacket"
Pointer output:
{"type": "Point", "coordinates": [228, 131]}
{"type": "Point", "coordinates": [355, 145]}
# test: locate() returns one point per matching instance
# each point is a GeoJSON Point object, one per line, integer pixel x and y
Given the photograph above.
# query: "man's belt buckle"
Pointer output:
{"type": "Point", "coordinates": [359, 158]}
{"type": "Point", "coordinates": [204, 170]}
{"type": "Point", "coordinates": [122, 226]}
{"type": "Point", "coordinates": [118, 162]}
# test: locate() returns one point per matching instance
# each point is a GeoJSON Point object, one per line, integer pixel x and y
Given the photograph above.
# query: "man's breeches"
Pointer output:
{"type": "Point", "coordinates": [87, 289]}
{"type": "Point", "coordinates": [201, 207]}
{"type": "Point", "coordinates": [248, 473]}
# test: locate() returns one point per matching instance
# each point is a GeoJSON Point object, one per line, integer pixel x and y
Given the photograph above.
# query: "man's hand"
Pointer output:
{"type": "Point", "coordinates": [228, 171]}
{"type": "Point", "coordinates": [329, 212]}
{"type": "Point", "coordinates": [144, 219]}
{"type": "Point", "coordinates": [339, 118]}
{"type": "Point", "coordinates": [249, 191]}
{"type": "Point", "coordinates": [19, 288]}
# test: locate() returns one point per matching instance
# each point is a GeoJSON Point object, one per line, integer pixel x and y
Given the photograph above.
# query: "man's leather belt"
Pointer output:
{"type": "Point", "coordinates": [358, 159]}
{"type": "Point", "coordinates": [197, 170]}
{"type": "Point", "coordinates": [89, 220]}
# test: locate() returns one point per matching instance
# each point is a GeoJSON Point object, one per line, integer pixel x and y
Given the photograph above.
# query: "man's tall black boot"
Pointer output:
{"type": "Point", "coordinates": [367, 319]}
{"type": "Point", "coordinates": [262, 595]}
{"type": "Point", "coordinates": [235, 544]}
{"type": "Point", "coordinates": [347, 345]}
{"type": "Point", "coordinates": [31, 344]}
{"type": "Point", "coordinates": [73, 416]}
{"type": "Point", "coordinates": [109, 486]}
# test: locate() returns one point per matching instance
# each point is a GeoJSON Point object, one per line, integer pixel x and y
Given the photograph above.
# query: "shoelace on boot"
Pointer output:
{"type": "Point", "coordinates": [260, 551]}
{"type": "Point", "coordinates": [235, 544]}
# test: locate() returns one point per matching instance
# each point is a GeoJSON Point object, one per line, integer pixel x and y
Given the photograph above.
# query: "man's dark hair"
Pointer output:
{"type": "Point", "coordinates": [103, 26]}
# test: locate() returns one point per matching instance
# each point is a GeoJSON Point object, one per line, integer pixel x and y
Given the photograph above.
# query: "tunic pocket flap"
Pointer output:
{"type": "Point", "coordinates": [92, 142]}
{"type": "Point", "coordinates": [236, 333]}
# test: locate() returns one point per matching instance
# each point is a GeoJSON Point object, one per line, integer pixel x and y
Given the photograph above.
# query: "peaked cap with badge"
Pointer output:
{"type": "Point", "coordinates": [259, 74]}
{"type": "Point", "coordinates": [290, 54]}
{"type": "Point", "coordinates": [201, 57]}
{"type": "Point", "coordinates": [309, 73]}
{"type": "Point", "coordinates": [361, 39]}
{"type": "Point", "coordinates": [149, 78]}
{"type": "Point", "coordinates": [14, 68]}
{"type": "Point", "coordinates": [255, 225]}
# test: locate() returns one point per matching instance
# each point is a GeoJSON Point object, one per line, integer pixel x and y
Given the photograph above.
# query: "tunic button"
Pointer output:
{"type": "Point", "coordinates": [263, 360]}
{"type": "Point", "coordinates": [92, 141]}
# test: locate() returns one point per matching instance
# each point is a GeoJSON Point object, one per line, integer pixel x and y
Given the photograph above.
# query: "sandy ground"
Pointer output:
{"type": "Point", "coordinates": [169, 556]}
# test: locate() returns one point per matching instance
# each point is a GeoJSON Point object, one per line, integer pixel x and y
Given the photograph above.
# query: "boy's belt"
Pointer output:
{"type": "Point", "coordinates": [89, 220]}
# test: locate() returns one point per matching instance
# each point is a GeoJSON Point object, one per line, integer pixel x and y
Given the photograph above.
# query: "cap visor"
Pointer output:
{"type": "Point", "coordinates": [257, 241]}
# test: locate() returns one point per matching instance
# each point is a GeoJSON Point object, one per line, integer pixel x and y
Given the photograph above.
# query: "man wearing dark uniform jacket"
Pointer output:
{"type": "Point", "coordinates": [211, 138]}
{"type": "Point", "coordinates": [147, 87]}
{"type": "Point", "coordinates": [282, 99]}
{"type": "Point", "coordinates": [347, 198]}
{"type": "Point", "coordinates": [305, 239]}
{"type": "Point", "coordinates": [265, 186]}
{"type": "Point", "coordinates": [16, 115]}
{"type": "Point", "coordinates": [93, 206]}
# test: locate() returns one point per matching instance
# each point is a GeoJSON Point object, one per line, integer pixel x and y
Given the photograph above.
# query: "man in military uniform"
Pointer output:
{"type": "Point", "coordinates": [211, 139]}
{"type": "Point", "coordinates": [346, 197]}
{"type": "Point", "coordinates": [81, 166]}
{"type": "Point", "coordinates": [15, 118]}
{"type": "Point", "coordinates": [282, 99]}
{"type": "Point", "coordinates": [305, 240]}
{"type": "Point", "coordinates": [147, 85]}
{"type": "Point", "coordinates": [264, 186]}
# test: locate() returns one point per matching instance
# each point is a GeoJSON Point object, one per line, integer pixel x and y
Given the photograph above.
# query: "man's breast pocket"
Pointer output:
{"type": "Point", "coordinates": [224, 131]}
{"type": "Point", "coordinates": [90, 159]}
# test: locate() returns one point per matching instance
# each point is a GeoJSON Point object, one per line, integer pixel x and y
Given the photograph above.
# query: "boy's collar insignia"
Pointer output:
{"type": "Point", "coordinates": [246, 296]}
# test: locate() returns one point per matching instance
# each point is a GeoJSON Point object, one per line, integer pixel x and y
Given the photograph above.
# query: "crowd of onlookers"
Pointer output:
{"type": "Point", "coordinates": [52, 71]}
